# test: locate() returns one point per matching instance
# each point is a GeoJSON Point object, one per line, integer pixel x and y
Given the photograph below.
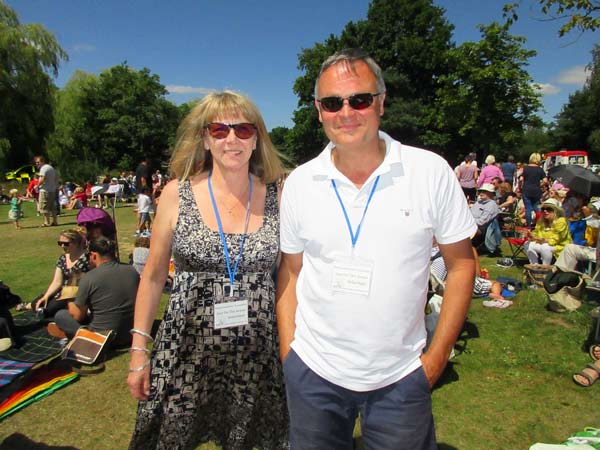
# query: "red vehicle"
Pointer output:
{"type": "Point", "coordinates": [574, 157]}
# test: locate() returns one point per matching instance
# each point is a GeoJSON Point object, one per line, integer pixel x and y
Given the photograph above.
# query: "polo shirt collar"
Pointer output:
{"type": "Point", "coordinates": [327, 169]}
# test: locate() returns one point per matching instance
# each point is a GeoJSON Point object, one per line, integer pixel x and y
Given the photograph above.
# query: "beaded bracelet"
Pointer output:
{"type": "Point", "coordinates": [142, 333]}
{"type": "Point", "coordinates": [139, 349]}
{"type": "Point", "coordinates": [142, 367]}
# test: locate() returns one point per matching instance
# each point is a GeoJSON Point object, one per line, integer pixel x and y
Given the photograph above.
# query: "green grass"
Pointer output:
{"type": "Point", "coordinates": [508, 388]}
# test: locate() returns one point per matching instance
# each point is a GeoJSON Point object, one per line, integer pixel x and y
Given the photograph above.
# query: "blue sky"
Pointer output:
{"type": "Point", "coordinates": [252, 45]}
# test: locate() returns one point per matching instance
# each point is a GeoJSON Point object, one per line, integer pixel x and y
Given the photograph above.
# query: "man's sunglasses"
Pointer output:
{"type": "Point", "coordinates": [221, 130]}
{"type": "Point", "coordinates": [356, 101]}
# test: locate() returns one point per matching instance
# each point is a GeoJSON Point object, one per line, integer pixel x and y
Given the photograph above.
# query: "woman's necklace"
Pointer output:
{"type": "Point", "coordinates": [236, 203]}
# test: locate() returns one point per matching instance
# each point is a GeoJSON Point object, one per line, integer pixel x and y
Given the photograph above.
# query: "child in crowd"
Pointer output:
{"type": "Point", "coordinates": [144, 205]}
{"type": "Point", "coordinates": [15, 212]}
{"type": "Point", "coordinates": [141, 250]}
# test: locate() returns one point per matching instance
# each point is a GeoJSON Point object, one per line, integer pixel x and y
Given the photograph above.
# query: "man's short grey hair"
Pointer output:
{"type": "Point", "coordinates": [351, 56]}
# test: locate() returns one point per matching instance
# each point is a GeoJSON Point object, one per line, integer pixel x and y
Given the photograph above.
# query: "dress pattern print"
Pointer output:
{"type": "Point", "coordinates": [222, 385]}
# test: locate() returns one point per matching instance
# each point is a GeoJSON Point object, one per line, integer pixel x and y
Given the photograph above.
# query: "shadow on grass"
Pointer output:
{"type": "Point", "coordinates": [358, 445]}
{"type": "Point", "coordinates": [446, 447]}
{"type": "Point", "coordinates": [18, 441]}
{"type": "Point", "coordinates": [469, 331]}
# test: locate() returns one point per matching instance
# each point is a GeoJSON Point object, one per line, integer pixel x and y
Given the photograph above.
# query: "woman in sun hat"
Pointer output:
{"type": "Point", "coordinates": [550, 235]}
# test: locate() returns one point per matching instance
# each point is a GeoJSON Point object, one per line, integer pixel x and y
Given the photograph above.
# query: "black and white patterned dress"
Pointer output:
{"type": "Point", "coordinates": [223, 385]}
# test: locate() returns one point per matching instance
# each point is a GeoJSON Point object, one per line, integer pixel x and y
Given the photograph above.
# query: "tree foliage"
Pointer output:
{"type": "Point", "coordinates": [29, 57]}
{"type": "Point", "coordinates": [112, 121]}
{"type": "Point", "coordinates": [581, 15]}
{"type": "Point", "coordinates": [487, 98]}
{"type": "Point", "coordinates": [578, 124]}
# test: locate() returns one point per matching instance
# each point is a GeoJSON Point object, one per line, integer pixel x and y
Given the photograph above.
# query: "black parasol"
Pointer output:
{"type": "Point", "coordinates": [577, 179]}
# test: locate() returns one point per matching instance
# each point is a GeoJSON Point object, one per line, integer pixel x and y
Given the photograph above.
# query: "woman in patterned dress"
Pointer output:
{"type": "Point", "coordinates": [214, 372]}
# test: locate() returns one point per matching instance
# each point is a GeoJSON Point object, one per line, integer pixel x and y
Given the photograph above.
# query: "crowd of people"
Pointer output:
{"type": "Point", "coordinates": [51, 196]}
{"type": "Point", "coordinates": [294, 307]}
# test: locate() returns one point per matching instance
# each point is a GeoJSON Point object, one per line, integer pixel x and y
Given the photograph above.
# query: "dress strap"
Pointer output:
{"type": "Point", "coordinates": [271, 202]}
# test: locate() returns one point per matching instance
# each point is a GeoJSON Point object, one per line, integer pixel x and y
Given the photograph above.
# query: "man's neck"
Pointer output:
{"type": "Point", "coordinates": [358, 165]}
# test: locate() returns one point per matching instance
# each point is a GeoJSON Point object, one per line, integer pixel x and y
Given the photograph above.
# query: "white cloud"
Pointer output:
{"type": "Point", "coordinates": [576, 75]}
{"type": "Point", "coordinates": [176, 89]}
{"type": "Point", "coordinates": [81, 48]}
{"type": "Point", "coordinates": [547, 88]}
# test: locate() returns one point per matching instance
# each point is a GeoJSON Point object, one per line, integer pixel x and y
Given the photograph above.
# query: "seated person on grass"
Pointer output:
{"type": "Point", "coordinates": [484, 211]}
{"type": "Point", "coordinates": [105, 299]}
{"type": "Point", "coordinates": [550, 235]}
{"type": "Point", "coordinates": [482, 287]}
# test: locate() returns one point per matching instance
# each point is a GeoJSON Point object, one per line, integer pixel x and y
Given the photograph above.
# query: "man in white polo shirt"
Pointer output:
{"type": "Point", "coordinates": [357, 224]}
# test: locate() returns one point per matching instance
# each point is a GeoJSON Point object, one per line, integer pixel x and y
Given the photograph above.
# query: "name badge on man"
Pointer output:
{"type": "Point", "coordinates": [230, 314]}
{"type": "Point", "coordinates": [352, 276]}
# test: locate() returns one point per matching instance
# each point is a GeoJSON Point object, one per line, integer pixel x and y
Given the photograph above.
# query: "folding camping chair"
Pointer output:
{"type": "Point", "coordinates": [517, 242]}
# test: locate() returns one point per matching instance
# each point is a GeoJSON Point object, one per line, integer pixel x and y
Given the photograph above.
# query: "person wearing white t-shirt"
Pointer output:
{"type": "Point", "coordinates": [144, 205]}
{"type": "Point", "coordinates": [357, 224]}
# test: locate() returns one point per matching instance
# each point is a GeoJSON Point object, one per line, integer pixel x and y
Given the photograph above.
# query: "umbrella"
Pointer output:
{"type": "Point", "coordinates": [577, 179]}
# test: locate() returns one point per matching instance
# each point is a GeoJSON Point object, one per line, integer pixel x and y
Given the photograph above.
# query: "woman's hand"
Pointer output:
{"type": "Point", "coordinates": [41, 303]}
{"type": "Point", "coordinates": [139, 380]}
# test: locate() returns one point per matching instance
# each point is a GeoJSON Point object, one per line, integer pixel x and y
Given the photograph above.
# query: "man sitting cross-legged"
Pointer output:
{"type": "Point", "coordinates": [105, 298]}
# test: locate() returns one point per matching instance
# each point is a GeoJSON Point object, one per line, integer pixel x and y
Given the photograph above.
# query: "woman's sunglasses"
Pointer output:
{"type": "Point", "coordinates": [356, 101]}
{"type": "Point", "coordinates": [547, 209]}
{"type": "Point", "coordinates": [221, 130]}
{"type": "Point", "coordinates": [63, 243]}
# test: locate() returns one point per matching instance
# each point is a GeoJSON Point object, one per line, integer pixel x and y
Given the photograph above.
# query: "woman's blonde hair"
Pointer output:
{"type": "Point", "coordinates": [190, 156]}
{"type": "Point", "coordinates": [535, 158]}
{"type": "Point", "coordinates": [75, 235]}
{"type": "Point", "coordinates": [491, 159]}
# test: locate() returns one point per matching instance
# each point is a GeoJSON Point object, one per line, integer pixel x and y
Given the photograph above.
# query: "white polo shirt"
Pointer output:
{"type": "Point", "coordinates": [367, 341]}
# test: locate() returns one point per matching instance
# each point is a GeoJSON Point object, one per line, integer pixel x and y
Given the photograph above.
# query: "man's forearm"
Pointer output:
{"type": "Point", "coordinates": [455, 306]}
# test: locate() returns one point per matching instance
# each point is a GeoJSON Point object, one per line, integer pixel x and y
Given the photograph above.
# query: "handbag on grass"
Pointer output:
{"type": "Point", "coordinates": [87, 346]}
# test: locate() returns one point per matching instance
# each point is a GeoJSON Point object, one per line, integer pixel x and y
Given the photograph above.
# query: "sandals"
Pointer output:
{"type": "Point", "coordinates": [591, 380]}
{"type": "Point", "coordinates": [24, 307]}
{"type": "Point", "coordinates": [594, 350]}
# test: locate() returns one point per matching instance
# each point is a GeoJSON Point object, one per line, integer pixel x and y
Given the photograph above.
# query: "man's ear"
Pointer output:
{"type": "Point", "coordinates": [316, 103]}
{"type": "Point", "coordinates": [381, 102]}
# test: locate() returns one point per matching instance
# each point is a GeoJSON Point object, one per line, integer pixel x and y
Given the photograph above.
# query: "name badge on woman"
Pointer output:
{"type": "Point", "coordinates": [229, 309]}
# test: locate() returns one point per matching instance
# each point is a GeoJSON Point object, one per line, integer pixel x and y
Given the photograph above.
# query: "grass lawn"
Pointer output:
{"type": "Point", "coordinates": [509, 387]}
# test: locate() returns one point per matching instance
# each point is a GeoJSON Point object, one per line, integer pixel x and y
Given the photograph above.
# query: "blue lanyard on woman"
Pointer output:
{"type": "Point", "coordinates": [231, 271]}
{"type": "Point", "coordinates": [354, 236]}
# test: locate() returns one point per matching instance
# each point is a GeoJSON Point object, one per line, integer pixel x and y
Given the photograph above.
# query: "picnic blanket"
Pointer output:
{"type": "Point", "coordinates": [35, 344]}
{"type": "Point", "coordinates": [9, 370]}
{"type": "Point", "coordinates": [40, 383]}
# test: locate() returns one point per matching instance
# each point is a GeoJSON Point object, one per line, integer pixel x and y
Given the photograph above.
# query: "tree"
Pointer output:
{"type": "Point", "coordinates": [578, 123]}
{"type": "Point", "coordinates": [128, 117]}
{"type": "Point", "coordinates": [70, 144]}
{"type": "Point", "coordinates": [486, 100]}
{"type": "Point", "coordinates": [409, 39]}
{"type": "Point", "coordinates": [29, 56]}
{"type": "Point", "coordinates": [582, 15]}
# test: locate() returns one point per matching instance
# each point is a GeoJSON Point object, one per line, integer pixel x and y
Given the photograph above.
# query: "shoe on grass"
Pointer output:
{"type": "Point", "coordinates": [54, 331]}
{"type": "Point", "coordinates": [589, 375]}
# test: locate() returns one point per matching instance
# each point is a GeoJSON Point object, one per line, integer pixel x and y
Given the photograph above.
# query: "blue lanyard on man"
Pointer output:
{"type": "Point", "coordinates": [231, 271]}
{"type": "Point", "coordinates": [354, 236]}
